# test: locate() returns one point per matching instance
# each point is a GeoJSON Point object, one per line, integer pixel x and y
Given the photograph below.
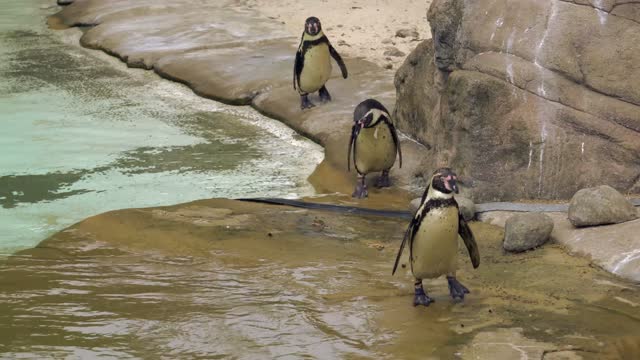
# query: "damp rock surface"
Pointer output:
{"type": "Point", "coordinates": [600, 206]}
{"type": "Point", "coordinates": [615, 248]}
{"type": "Point", "coordinates": [527, 231]}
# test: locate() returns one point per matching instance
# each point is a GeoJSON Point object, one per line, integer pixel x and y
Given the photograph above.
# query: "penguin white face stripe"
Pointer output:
{"type": "Point", "coordinates": [377, 113]}
{"type": "Point", "coordinates": [436, 194]}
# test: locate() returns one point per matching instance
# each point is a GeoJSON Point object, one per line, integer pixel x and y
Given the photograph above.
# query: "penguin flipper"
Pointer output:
{"type": "Point", "coordinates": [469, 241]}
{"type": "Point", "coordinates": [338, 58]}
{"type": "Point", "coordinates": [351, 148]}
{"type": "Point", "coordinates": [396, 140]}
{"type": "Point", "coordinates": [298, 65]}
{"type": "Point", "coordinates": [411, 231]}
{"type": "Point", "coordinates": [404, 242]}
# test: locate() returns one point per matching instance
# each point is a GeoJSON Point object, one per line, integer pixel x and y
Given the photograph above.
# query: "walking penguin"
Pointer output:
{"type": "Point", "coordinates": [433, 238]}
{"type": "Point", "coordinates": [374, 144]}
{"type": "Point", "coordinates": [312, 66]}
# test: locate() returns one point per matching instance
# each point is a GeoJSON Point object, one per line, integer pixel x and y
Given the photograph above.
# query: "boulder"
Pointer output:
{"type": "Point", "coordinates": [467, 207]}
{"type": "Point", "coordinates": [600, 206]}
{"type": "Point", "coordinates": [415, 204]}
{"type": "Point", "coordinates": [526, 231]}
{"type": "Point", "coordinates": [528, 99]}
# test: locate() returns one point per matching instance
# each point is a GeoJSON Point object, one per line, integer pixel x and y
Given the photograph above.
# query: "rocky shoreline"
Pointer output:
{"type": "Point", "coordinates": [321, 278]}
{"type": "Point", "coordinates": [237, 57]}
{"type": "Point", "coordinates": [217, 51]}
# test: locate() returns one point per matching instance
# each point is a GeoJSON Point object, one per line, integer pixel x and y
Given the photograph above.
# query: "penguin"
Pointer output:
{"type": "Point", "coordinates": [312, 66]}
{"type": "Point", "coordinates": [433, 238]}
{"type": "Point", "coordinates": [374, 144]}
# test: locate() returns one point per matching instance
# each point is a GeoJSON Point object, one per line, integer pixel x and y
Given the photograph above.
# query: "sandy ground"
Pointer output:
{"type": "Point", "coordinates": [357, 28]}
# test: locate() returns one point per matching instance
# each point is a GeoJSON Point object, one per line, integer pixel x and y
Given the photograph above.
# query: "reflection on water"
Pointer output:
{"type": "Point", "coordinates": [222, 279]}
{"type": "Point", "coordinates": [81, 135]}
{"type": "Point", "coordinates": [128, 306]}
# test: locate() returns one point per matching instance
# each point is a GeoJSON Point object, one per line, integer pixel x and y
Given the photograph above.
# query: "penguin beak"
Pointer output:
{"type": "Point", "coordinates": [312, 28]}
{"type": "Point", "coordinates": [451, 184]}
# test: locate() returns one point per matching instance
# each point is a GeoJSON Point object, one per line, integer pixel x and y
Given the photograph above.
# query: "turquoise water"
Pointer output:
{"type": "Point", "coordinates": [82, 134]}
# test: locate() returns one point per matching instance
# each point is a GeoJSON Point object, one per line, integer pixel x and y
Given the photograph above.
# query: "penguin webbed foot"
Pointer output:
{"type": "Point", "coordinates": [305, 103]}
{"type": "Point", "coordinates": [384, 180]}
{"type": "Point", "coordinates": [456, 289]}
{"type": "Point", "coordinates": [421, 298]}
{"type": "Point", "coordinates": [325, 97]}
{"type": "Point", "coordinates": [360, 192]}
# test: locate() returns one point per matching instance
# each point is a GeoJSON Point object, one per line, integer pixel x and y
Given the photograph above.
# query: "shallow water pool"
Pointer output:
{"type": "Point", "coordinates": [82, 134]}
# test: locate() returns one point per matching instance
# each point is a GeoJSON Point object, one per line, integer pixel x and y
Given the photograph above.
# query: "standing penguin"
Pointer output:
{"type": "Point", "coordinates": [312, 67]}
{"type": "Point", "coordinates": [374, 143]}
{"type": "Point", "coordinates": [433, 238]}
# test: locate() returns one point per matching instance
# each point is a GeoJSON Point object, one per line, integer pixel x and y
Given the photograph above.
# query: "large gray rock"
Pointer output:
{"type": "Point", "coordinates": [616, 248]}
{"type": "Point", "coordinates": [415, 204]}
{"type": "Point", "coordinates": [467, 207]}
{"type": "Point", "coordinates": [526, 99]}
{"type": "Point", "coordinates": [599, 206]}
{"type": "Point", "coordinates": [526, 231]}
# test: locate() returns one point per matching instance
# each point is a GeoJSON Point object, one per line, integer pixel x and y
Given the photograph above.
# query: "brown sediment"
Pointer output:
{"type": "Point", "coordinates": [56, 23]}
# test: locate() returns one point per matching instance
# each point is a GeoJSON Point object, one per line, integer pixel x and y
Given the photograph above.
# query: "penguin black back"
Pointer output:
{"type": "Point", "coordinates": [364, 107]}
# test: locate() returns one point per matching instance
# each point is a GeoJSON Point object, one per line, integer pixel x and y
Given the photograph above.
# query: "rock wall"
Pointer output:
{"type": "Point", "coordinates": [528, 99]}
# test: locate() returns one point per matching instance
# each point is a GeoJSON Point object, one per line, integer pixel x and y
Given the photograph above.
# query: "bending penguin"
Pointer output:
{"type": "Point", "coordinates": [433, 238]}
{"type": "Point", "coordinates": [374, 144]}
{"type": "Point", "coordinates": [312, 66]}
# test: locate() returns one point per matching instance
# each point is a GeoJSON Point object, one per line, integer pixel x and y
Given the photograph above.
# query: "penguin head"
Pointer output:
{"type": "Point", "coordinates": [368, 111]}
{"type": "Point", "coordinates": [312, 26]}
{"type": "Point", "coordinates": [445, 181]}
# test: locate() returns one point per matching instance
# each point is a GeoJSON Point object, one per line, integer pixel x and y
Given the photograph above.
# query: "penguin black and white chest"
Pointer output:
{"type": "Point", "coordinates": [432, 236]}
{"type": "Point", "coordinates": [374, 144]}
{"type": "Point", "coordinates": [312, 67]}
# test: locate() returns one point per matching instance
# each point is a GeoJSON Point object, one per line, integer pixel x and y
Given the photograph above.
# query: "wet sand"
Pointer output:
{"type": "Point", "coordinates": [357, 28]}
